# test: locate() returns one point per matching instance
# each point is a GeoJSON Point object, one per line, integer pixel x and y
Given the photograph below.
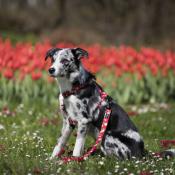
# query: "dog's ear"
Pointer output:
{"type": "Point", "coordinates": [80, 53]}
{"type": "Point", "coordinates": [51, 52]}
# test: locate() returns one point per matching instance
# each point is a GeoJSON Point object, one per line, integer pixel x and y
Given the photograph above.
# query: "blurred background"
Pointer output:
{"type": "Point", "coordinates": [127, 41]}
{"type": "Point", "coordinates": [135, 22]}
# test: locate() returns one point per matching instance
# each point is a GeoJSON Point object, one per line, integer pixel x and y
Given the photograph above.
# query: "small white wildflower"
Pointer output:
{"type": "Point", "coordinates": [101, 163]}
{"type": "Point", "coordinates": [68, 170]}
{"type": "Point", "coordinates": [152, 101]}
{"type": "Point", "coordinates": [171, 170]}
{"type": "Point", "coordinates": [125, 169]}
{"type": "Point", "coordinates": [35, 134]}
{"type": "Point", "coordinates": [134, 108]}
{"type": "Point", "coordinates": [116, 170]}
{"type": "Point", "coordinates": [138, 171]}
{"type": "Point", "coordinates": [153, 110]}
{"type": "Point", "coordinates": [59, 169]}
{"type": "Point", "coordinates": [30, 112]}
{"type": "Point", "coordinates": [60, 162]}
{"type": "Point", "coordinates": [160, 119]}
{"type": "Point", "coordinates": [24, 123]}
{"type": "Point", "coordinates": [164, 128]}
{"type": "Point", "coordinates": [117, 166]}
{"type": "Point", "coordinates": [137, 162]}
{"type": "Point", "coordinates": [21, 105]}
{"type": "Point", "coordinates": [27, 155]}
{"type": "Point", "coordinates": [2, 127]}
{"type": "Point", "coordinates": [144, 109]}
{"type": "Point", "coordinates": [160, 158]}
{"type": "Point", "coordinates": [13, 132]}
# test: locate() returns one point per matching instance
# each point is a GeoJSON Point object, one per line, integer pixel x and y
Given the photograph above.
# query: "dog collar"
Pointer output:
{"type": "Point", "coordinates": [75, 90]}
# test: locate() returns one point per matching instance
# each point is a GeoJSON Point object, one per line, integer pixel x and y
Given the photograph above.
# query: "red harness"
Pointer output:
{"type": "Point", "coordinates": [74, 90]}
{"type": "Point", "coordinates": [106, 118]}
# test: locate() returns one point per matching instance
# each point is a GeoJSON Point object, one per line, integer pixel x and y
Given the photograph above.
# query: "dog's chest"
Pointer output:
{"type": "Point", "coordinates": [73, 107]}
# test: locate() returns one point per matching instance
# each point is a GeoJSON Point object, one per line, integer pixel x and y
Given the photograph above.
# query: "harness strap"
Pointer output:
{"type": "Point", "coordinates": [74, 90]}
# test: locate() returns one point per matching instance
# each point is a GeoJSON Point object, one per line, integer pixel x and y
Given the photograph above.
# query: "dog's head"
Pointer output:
{"type": "Point", "coordinates": [65, 61]}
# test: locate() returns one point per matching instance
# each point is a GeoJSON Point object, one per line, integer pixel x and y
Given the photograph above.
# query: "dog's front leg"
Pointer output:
{"type": "Point", "coordinates": [80, 140]}
{"type": "Point", "coordinates": [65, 133]}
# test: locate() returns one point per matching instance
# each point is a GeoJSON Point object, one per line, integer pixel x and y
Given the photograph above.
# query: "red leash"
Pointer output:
{"type": "Point", "coordinates": [100, 136]}
{"type": "Point", "coordinates": [99, 139]}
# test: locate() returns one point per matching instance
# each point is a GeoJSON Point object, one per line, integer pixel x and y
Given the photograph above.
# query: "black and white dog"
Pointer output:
{"type": "Point", "coordinates": [121, 138]}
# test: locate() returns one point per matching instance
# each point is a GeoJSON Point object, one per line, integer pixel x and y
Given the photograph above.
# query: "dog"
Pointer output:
{"type": "Point", "coordinates": [79, 101]}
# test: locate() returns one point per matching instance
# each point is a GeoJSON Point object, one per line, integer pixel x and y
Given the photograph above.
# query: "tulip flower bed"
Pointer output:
{"type": "Point", "coordinates": [127, 74]}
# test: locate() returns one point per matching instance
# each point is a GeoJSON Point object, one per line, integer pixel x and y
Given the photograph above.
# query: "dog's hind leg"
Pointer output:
{"type": "Point", "coordinates": [113, 146]}
{"type": "Point", "coordinates": [65, 133]}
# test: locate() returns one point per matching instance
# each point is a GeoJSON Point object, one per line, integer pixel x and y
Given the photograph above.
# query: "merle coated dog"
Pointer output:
{"type": "Point", "coordinates": [121, 138]}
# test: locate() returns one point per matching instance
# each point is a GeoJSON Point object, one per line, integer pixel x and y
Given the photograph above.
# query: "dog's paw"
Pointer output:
{"type": "Point", "coordinates": [56, 153]}
{"type": "Point", "coordinates": [76, 155]}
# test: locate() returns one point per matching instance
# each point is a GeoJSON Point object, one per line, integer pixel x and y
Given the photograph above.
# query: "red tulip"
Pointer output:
{"type": "Point", "coordinates": [8, 74]}
{"type": "Point", "coordinates": [36, 76]}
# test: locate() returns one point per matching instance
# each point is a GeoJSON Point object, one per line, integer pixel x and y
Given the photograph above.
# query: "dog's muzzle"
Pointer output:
{"type": "Point", "coordinates": [52, 72]}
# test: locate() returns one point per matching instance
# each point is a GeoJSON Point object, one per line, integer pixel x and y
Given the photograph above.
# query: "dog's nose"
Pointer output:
{"type": "Point", "coordinates": [51, 70]}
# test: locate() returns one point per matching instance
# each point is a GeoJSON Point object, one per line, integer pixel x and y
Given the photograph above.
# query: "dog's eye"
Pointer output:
{"type": "Point", "coordinates": [64, 61]}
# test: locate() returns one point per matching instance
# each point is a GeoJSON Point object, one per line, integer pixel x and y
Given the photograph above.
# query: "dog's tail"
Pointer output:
{"type": "Point", "coordinates": [170, 153]}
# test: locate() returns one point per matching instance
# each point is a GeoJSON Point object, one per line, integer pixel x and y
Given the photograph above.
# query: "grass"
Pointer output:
{"type": "Point", "coordinates": [28, 134]}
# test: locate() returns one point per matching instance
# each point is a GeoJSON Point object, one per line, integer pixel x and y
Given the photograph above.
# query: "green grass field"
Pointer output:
{"type": "Point", "coordinates": [29, 132]}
